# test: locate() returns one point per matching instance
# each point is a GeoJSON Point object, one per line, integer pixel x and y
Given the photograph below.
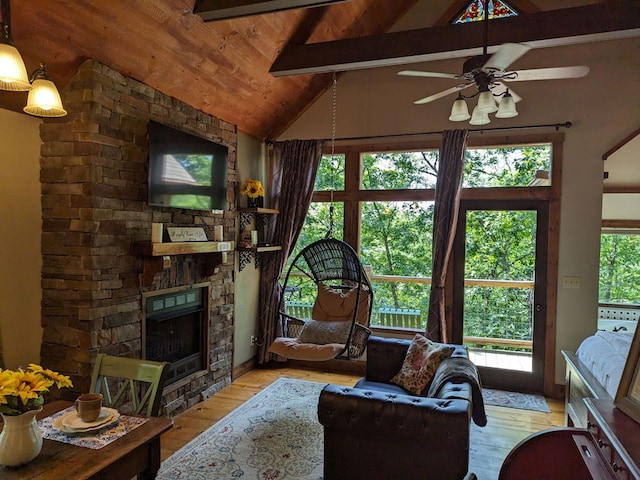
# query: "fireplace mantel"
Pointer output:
{"type": "Point", "coordinates": [157, 256]}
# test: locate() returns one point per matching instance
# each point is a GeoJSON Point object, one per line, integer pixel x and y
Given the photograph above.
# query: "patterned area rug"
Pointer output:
{"type": "Point", "coordinates": [274, 435]}
{"type": "Point", "coordinates": [523, 401]}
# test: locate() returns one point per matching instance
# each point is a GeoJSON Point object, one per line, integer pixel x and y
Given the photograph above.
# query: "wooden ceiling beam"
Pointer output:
{"type": "Point", "coordinates": [608, 20]}
{"type": "Point", "coordinates": [211, 10]}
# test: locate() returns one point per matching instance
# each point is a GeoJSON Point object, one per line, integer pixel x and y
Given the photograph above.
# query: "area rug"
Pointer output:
{"type": "Point", "coordinates": [273, 436]}
{"type": "Point", "coordinates": [523, 401]}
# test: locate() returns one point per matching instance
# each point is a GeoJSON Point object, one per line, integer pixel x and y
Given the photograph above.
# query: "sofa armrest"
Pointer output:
{"type": "Point", "coordinates": [384, 415]}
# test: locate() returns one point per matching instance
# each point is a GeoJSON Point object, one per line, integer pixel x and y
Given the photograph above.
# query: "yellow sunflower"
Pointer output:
{"type": "Point", "coordinates": [31, 385]}
{"type": "Point", "coordinates": [252, 188]}
{"type": "Point", "coordinates": [8, 385]}
{"type": "Point", "coordinates": [61, 381]}
{"type": "Point", "coordinates": [23, 390]}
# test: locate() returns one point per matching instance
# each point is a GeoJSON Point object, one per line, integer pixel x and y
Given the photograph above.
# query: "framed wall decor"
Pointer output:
{"type": "Point", "coordinates": [628, 394]}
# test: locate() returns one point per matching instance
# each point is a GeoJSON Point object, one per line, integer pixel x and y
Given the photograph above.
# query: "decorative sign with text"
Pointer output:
{"type": "Point", "coordinates": [187, 234]}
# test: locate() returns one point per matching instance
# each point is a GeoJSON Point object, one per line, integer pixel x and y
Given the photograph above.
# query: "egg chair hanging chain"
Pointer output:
{"type": "Point", "coordinates": [333, 148]}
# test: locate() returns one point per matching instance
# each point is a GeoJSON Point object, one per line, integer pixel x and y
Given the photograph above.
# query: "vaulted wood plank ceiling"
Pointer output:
{"type": "Point", "coordinates": [219, 67]}
{"type": "Point", "coordinates": [223, 67]}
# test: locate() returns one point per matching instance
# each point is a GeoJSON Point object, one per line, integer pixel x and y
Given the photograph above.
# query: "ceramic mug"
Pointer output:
{"type": "Point", "coordinates": [88, 406]}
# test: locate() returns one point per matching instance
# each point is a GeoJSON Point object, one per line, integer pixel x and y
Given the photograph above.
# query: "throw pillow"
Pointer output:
{"type": "Point", "coordinates": [336, 306]}
{"type": "Point", "coordinates": [323, 332]}
{"type": "Point", "coordinates": [420, 363]}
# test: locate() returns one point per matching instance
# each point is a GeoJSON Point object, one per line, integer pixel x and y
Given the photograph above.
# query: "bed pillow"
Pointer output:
{"type": "Point", "coordinates": [420, 363]}
{"type": "Point", "coordinates": [335, 306]}
{"type": "Point", "coordinates": [322, 332]}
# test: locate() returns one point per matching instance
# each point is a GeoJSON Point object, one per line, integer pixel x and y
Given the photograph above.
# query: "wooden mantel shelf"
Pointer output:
{"type": "Point", "coordinates": [157, 256]}
{"type": "Point", "coordinates": [182, 248]}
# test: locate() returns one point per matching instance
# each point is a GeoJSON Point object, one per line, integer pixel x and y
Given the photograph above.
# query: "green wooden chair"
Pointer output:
{"type": "Point", "coordinates": [138, 383]}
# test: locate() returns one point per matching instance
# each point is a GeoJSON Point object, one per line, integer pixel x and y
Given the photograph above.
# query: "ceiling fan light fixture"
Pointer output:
{"type": "Point", "coordinates": [507, 108]}
{"type": "Point", "coordinates": [478, 117]}
{"type": "Point", "coordinates": [43, 99]}
{"type": "Point", "coordinates": [459, 110]}
{"type": "Point", "coordinates": [486, 102]}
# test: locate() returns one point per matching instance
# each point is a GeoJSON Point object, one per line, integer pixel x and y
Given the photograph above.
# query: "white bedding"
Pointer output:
{"type": "Point", "coordinates": [604, 354]}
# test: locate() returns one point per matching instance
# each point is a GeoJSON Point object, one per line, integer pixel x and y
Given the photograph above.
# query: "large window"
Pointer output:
{"type": "Point", "coordinates": [619, 268]}
{"type": "Point", "coordinates": [383, 206]}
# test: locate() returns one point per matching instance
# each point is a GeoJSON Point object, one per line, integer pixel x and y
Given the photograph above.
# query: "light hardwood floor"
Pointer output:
{"type": "Point", "coordinates": [489, 445]}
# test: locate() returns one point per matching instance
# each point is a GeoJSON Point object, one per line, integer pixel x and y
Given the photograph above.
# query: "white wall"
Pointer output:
{"type": "Point", "coordinates": [251, 156]}
{"type": "Point", "coordinates": [21, 220]}
{"type": "Point", "coordinates": [601, 106]}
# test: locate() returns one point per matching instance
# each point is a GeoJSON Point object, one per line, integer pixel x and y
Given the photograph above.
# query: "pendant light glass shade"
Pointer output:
{"type": "Point", "coordinates": [44, 99]}
{"type": "Point", "coordinates": [459, 110]}
{"type": "Point", "coordinates": [479, 118]}
{"type": "Point", "coordinates": [486, 103]}
{"type": "Point", "coordinates": [13, 73]}
{"type": "Point", "coordinates": [507, 108]}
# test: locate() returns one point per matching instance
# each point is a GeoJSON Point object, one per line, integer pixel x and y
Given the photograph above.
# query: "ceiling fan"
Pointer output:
{"type": "Point", "coordinates": [487, 72]}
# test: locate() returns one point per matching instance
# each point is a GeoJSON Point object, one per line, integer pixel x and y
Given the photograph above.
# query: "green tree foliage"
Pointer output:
{"type": "Point", "coordinates": [397, 236]}
{"type": "Point", "coordinates": [619, 268]}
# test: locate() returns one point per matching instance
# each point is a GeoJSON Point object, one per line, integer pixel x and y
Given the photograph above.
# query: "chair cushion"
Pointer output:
{"type": "Point", "coordinates": [336, 306]}
{"type": "Point", "coordinates": [420, 363]}
{"type": "Point", "coordinates": [323, 332]}
{"type": "Point", "coordinates": [290, 348]}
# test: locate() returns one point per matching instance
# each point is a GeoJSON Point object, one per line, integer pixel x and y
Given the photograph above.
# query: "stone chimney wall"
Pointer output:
{"type": "Point", "coordinates": [94, 208]}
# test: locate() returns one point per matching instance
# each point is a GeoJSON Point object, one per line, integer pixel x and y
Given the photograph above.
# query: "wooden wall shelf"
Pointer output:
{"type": "Point", "coordinates": [157, 256]}
{"type": "Point", "coordinates": [267, 211]}
{"type": "Point", "coordinates": [260, 249]}
{"type": "Point", "coordinates": [261, 216]}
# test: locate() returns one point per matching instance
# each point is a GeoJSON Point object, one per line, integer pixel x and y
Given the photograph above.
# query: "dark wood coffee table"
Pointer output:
{"type": "Point", "coordinates": [136, 453]}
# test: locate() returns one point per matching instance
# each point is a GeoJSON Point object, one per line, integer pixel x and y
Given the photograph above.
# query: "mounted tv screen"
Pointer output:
{"type": "Point", "coordinates": [186, 171]}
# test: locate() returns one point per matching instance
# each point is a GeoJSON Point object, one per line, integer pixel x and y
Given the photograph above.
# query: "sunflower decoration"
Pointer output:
{"type": "Point", "coordinates": [23, 390]}
{"type": "Point", "coordinates": [252, 188]}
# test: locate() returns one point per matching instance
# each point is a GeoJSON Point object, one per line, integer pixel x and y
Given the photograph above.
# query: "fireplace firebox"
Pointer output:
{"type": "Point", "coordinates": [173, 327]}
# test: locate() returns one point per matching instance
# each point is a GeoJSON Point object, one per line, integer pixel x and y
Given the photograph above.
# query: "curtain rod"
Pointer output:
{"type": "Point", "coordinates": [557, 126]}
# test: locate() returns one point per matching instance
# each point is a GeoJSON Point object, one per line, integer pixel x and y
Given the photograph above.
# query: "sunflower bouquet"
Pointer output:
{"type": "Point", "coordinates": [252, 188]}
{"type": "Point", "coordinates": [23, 390]}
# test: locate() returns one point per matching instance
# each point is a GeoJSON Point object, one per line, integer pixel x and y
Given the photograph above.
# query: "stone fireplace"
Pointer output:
{"type": "Point", "coordinates": [94, 208]}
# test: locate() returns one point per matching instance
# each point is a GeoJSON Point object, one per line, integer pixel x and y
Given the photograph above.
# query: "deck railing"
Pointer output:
{"type": "Point", "coordinates": [484, 318]}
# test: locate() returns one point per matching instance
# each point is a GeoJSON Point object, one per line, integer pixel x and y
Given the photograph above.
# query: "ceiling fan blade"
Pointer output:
{"type": "Point", "coordinates": [444, 93]}
{"type": "Point", "coordinates": [505, 56]}
{"type": "Point", "coordinates": [549, 73]}
{"type": "Point", "coordinates": [417, 73]}
{"type": "Point", "coordinates": [500, 88]}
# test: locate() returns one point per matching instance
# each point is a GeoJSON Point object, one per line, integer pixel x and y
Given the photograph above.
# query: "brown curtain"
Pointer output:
{"type": "Point", "coordinates": [445, 218]}
{"type": "Point", "coordinates": [294, 169]}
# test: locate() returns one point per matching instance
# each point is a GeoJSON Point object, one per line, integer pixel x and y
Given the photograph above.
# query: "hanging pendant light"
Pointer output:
{"type": "Point", "coordinates": [13, 73]}
{"type": "Point", "coordinates": [486, 102]}
{"type": "Point", "coordinates": [507, 108]}
{"type": "Point", "coordinates": [44, 99]}
{"type": "Point", "coordinates": [459, 110]}
{"type": "Point", "coordinates": [478, 117]}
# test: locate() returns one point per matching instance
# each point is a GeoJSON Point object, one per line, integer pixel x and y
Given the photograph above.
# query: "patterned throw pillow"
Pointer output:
{"type": "Point", "coordinates": [420, 363]}
{"type": "Point", "coordinates": [323, 332]}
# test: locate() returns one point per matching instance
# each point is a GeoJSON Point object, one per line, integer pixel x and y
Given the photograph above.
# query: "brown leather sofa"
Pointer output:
{"type": "Point", "coordinates": [379, 431]}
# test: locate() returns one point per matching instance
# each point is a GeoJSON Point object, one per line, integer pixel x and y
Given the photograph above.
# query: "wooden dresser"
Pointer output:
{"type": "Point", "coordinates": [608, 449]}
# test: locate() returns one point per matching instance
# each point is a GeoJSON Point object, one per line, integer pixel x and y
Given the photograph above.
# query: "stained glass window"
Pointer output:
{"type": "Point", "coordinates": [475, 11]}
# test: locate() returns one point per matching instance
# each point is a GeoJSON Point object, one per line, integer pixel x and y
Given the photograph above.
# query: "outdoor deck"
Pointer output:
{"type": "Point", "coordinates": [520, 361]}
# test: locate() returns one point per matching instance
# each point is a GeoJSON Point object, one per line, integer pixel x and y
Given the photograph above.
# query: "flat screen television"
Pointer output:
{"type": "Point", "coordinates": [186, 171]}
